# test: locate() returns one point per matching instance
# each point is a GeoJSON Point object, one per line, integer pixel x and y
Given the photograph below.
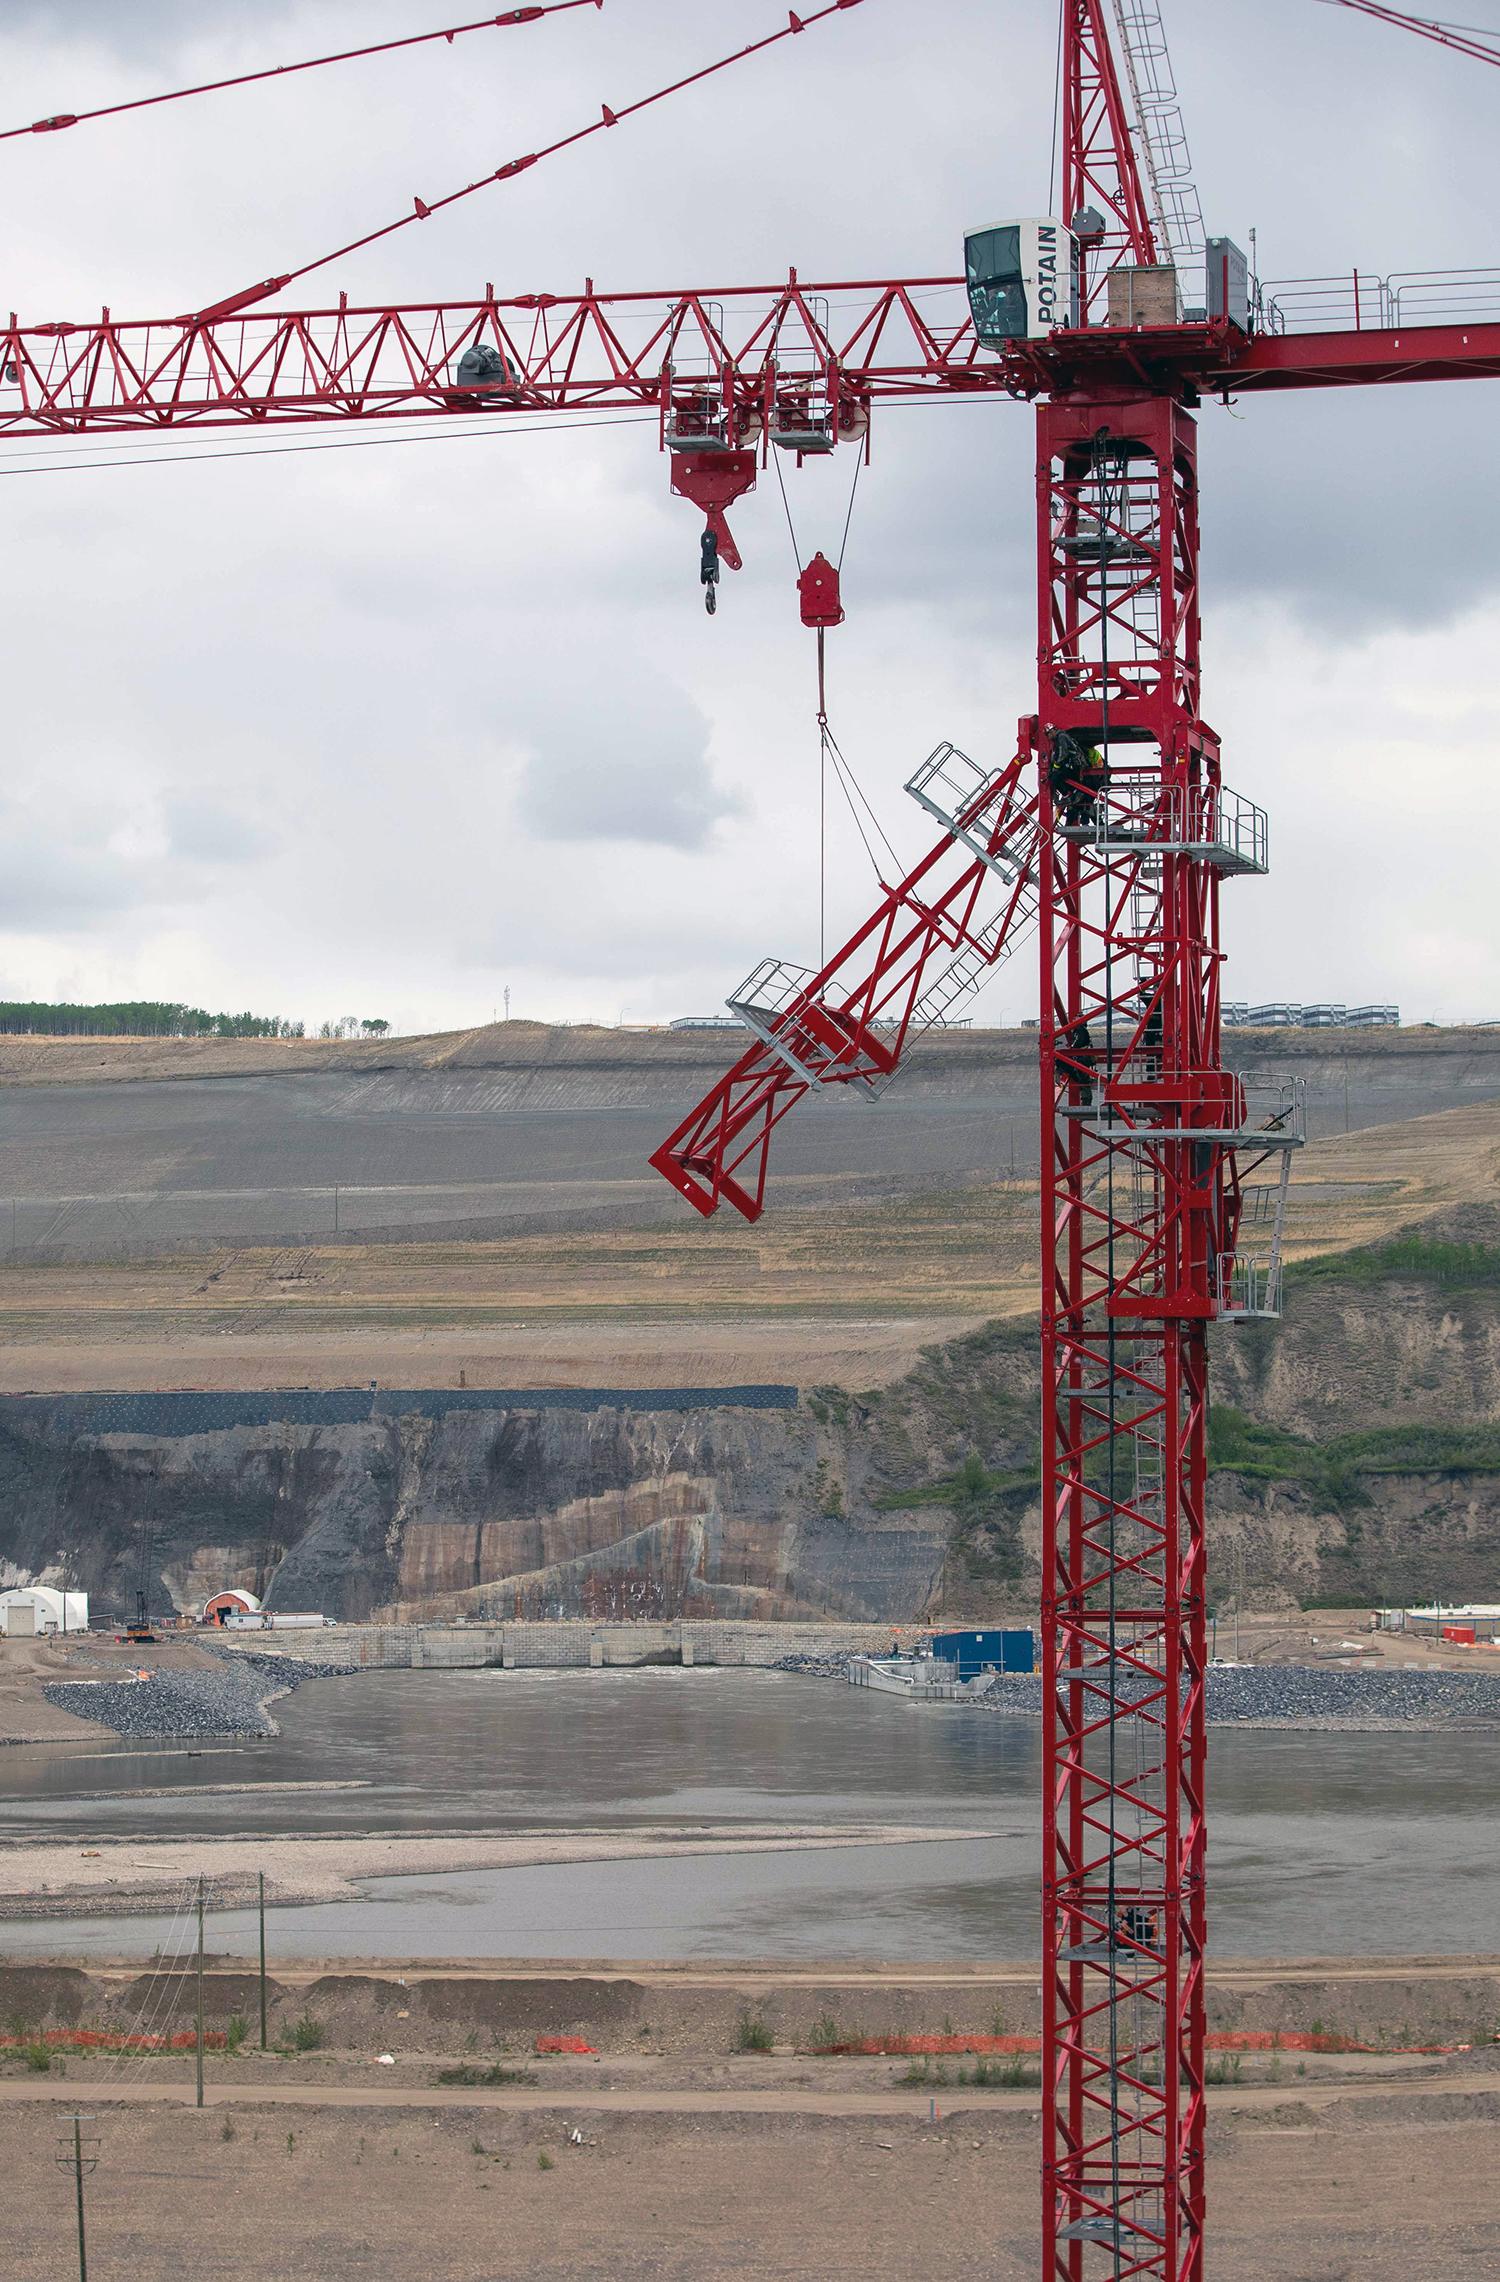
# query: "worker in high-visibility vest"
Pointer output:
{"type": "Point", "coordinates": [1076, 775]}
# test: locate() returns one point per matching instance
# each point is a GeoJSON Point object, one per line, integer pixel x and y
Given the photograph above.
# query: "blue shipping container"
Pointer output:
{"type": "Point", "coordinates": [976, 1652]}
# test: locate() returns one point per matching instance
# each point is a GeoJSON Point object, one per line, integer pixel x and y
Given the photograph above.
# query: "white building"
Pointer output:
{"type": "Point", "coordinates": [27, 1612]}
{"type": "Point", "coordinates": [1479, 1619]}
{"type": "Point", "coordinates": [232, 1602]}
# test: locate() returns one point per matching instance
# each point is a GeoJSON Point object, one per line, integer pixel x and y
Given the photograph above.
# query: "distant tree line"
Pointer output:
{"type": "Point", "coordinates": [159, 1018]}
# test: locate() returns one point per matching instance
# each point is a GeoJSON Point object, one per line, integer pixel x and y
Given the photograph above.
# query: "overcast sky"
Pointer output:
{"type": "Point", "coordinates": [386, 731]}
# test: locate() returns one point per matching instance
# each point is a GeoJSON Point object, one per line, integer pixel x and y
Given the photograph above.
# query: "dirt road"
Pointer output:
{"type": "Point", "coordinates": [1480, 2086]}
{"type": "Point", "coordinates": [473, 2192]}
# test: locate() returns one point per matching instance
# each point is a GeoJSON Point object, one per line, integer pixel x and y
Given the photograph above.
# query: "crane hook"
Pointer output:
{"type": "Point", "coordinates": [708, 570]}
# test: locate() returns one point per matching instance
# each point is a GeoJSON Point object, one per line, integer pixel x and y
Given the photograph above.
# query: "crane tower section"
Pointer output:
{"type": "Point", "coordinates": [1155, 1161]}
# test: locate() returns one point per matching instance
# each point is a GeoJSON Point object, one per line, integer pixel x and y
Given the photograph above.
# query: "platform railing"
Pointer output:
{"type": "Point", "coordinates": [1360, 301]}
{"type": "Point", "coordinates": [1208, 821]}
{"type": "Point", "coordinates": [1249, 1288]}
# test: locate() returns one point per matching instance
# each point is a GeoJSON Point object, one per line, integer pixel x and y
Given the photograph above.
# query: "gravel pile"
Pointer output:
{"type": "Point", "coordinates": [1303, 1695]}
{"type": "Point", "coordinates": [1314, 1697]}
{"type": "Point", "coordinates": [228, 1701]}
{"type": "Point", "coordinates": [1273, 1695]}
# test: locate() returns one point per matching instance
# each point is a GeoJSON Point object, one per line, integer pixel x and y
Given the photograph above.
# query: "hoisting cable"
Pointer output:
{"type": "Point", "coordinates": [852, 787]}
{"type": "Point", "coordinates": [818, 584]}
{"type": "Point", "coordinates": [859, 461]}
{"type": "Point", "coordinates": [423, 208]}
{"type": "Point", "coordinates": [790, 525]}
{"type": "Point", "coordinates": [791, 532]}
{"type": "Point", "coordinates": [823, 743]}
{"type": "Point", "coordinates": [285, 70]}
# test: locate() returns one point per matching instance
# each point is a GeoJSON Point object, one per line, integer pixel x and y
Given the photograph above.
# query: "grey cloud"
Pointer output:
{"type": "Point", "coordinates": [1358, 511]}
{"type": "Point", "coordinates": [47, 884]}
{"type": "Point", "coordinates": [631, 763]}
{"type": "Point", "coordinates": [210, 831]}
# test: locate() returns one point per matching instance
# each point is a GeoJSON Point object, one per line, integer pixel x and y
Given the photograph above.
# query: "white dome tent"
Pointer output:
{"type": "Point", "coordinates": [30, 1612]}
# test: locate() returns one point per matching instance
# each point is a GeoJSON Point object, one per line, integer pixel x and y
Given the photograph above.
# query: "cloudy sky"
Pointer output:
{"type": "Point", "coordinates": [389, 730]}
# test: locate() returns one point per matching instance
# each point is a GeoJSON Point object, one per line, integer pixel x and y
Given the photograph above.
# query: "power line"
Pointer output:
{"type": "Point", "coordinates": [338, 444]}
{"type": "Point", "coordinates": [450, 433]}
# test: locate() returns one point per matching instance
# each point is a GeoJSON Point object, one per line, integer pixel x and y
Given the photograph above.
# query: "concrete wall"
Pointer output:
{"type": "Point", "coordinates": [575, 1644]}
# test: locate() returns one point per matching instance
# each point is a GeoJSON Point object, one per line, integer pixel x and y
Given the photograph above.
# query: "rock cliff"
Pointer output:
{"type": "Point", "coordinates": [1356, 1457]}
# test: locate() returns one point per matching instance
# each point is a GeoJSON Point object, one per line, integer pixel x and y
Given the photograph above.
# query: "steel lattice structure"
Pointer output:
{"type": "Point", "coordinates": [1107, 835]}
{"type": "Point", "coordinates": [1161, 1170]}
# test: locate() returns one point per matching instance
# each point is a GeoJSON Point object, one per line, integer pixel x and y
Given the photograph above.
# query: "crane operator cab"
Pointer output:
{"type": "Point", "coordinates": [1022, 279]}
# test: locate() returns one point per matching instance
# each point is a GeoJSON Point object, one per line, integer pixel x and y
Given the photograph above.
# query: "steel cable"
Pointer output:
{"type": "Point", "coordinates": [512, 16]}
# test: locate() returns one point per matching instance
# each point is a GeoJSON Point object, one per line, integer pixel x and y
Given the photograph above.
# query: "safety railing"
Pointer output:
{"type": "Point", "coordinates": [1360, 301]}
{"type": "Point", "coordinates": [1443, 296]}
{"type": "Point", "coordinates": [812, 1039]}
{"type": "Point", "coordinates": [1356, 301]}
{"type": "Point", "coordinates": [958, 792]}
{"type": "Point", "coordinates": [1131, 1093]}
{"type": "Point", "coordinates": [1249, 1289]}
{"type": "Point", "coordinates": [1206, 821]}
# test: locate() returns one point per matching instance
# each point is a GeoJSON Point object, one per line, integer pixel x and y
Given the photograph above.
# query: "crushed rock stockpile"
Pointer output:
{"type": "Point", "coordinates": [1274, 1695]}
{"type": "Point", "coordinates": [230, 1700]}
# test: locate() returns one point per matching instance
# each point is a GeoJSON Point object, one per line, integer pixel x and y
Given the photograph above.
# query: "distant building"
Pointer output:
{"type": "Point", "coordinates": [31, 1612]}
{"type": "Point", "coordinates": [1460, 1622]}
{"type": "Point", "coordinates": [233, 1601]}
{"type": "Point", "coordinates": [1287, 1014]}
{"type": "Point", "coordinates": [274, 1620]}
{"type": "Point", "coordinates": [704, 1022]}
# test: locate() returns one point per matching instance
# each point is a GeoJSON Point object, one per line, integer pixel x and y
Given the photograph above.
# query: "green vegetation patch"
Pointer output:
{"type": "Point", "coordinates": [1451, 1265]}
{"type": "Point", "coordinates": [1334, 1472]}
{"type": "Point", "coordinates": [136, 1018]}
{"type": "Point", "coordinates": [986, 1508]}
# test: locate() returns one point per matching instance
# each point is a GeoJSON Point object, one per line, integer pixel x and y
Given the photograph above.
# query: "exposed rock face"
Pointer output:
{"type": "Point", "coordinates": [488, 1513]}
{"type": "Point", "coordinates": [1367, 1468]}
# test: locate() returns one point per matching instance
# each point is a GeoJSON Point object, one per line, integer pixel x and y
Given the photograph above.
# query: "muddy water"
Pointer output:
{"type": "Point", "coordinates": [1323, 1843]}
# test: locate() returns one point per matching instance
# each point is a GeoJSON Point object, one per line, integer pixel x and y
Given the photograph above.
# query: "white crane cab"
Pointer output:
{"type": "Point", "coordinates": [1022, 279]}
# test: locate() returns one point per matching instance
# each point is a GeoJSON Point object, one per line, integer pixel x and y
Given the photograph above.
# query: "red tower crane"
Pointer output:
{"type": "Point", "coordinates": [1107, 835]}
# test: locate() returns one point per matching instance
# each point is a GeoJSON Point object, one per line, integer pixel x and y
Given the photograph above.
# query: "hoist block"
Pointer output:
{"type": "Point", "coordinates": [818, 589]}
{"type": "Point", "coordinates": [711, 480]}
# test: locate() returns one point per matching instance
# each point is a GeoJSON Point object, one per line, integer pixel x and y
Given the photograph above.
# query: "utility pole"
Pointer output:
{"type": "Point", "coordinates": [79, 2155]}
{"type": "Point", "coordinates": [262, 1883]}
{"type": "Point", "coordinates": [198, 2042]}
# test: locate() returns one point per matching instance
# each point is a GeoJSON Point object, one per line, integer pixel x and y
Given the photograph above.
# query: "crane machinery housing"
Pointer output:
{"type": "Point", "coordinates": [1105, 836]}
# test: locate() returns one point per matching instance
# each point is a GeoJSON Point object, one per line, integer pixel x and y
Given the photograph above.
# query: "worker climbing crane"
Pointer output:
{"type": "Point", "coordinates": [1104, 837]}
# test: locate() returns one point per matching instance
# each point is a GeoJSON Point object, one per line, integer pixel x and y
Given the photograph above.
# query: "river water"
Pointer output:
{"type": "Point", "coordinates": [1321, 1843]}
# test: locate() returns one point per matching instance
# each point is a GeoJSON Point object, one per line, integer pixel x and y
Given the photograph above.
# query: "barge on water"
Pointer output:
{"type": "Point", "coordinates": [955, 1668]}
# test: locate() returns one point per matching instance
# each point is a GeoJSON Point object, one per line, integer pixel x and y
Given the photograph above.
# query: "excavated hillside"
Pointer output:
{"type": "Point", "coordinates": [462, 1216]}
{"type": "Point", "coordinates": [1356, 1457]}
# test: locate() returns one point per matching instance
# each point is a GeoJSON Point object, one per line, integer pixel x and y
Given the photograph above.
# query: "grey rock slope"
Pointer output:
{"type": "Point", "coordinates": [1356, 1458]}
